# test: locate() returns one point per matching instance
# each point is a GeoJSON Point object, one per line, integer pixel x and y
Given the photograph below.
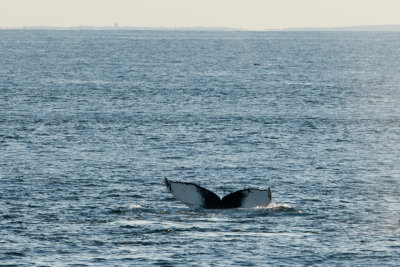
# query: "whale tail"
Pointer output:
{"type": "Point", "coordinates": [197, 197]}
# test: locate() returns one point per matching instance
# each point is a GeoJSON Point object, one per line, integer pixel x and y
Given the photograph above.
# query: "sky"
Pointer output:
{"type": "Point", "coordinates": [243, 14]}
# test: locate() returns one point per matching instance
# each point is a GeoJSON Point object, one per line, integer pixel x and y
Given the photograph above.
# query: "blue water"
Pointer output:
{"type": "Point", "coordinates": [91, 122]}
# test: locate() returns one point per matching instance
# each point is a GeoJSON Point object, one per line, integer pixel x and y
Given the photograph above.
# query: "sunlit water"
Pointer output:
{"type": "Point", "coordinates": [91, 122]}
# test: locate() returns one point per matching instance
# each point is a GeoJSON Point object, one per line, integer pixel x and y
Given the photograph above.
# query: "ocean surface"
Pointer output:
{"type": "Point", "coordinates": [91, 122]}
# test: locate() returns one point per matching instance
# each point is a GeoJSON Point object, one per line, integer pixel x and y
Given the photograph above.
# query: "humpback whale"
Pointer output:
{"type": "Point", "coordinates": [197, 197]}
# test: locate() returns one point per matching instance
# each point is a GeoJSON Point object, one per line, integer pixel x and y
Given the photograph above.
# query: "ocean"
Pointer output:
{"type": "Point", "coordinates": [91, 121]}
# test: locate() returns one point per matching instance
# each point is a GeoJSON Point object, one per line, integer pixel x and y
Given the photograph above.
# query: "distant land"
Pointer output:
{"type": "Point", "coordinates": [350, 28]}
{"type": "Point", "coordinates": [393, 28]}
{"type": "Point", "coordinates": [124, 28]}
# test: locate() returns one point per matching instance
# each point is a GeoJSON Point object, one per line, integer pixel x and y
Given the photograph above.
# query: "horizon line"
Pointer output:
{"type": "Point", "coordinates": [380, 27]}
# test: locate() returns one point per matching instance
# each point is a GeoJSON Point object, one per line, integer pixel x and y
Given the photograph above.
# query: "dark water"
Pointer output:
{"type": "Point", "coordinates": [91, 121]}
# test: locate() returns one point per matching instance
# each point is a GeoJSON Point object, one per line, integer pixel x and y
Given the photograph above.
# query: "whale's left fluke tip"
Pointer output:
{"type": "Point", "coordinates": [167, 184]}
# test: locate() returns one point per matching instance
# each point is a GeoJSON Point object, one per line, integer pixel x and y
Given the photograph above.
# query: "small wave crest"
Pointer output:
{"type": "Point", "coordinates": [275, 207]}
{"type": "Point", "coordinates": [134, 206]}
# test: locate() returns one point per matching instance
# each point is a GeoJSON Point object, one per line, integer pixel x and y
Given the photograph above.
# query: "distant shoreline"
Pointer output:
{"type": "Point", "coordinates": [383, 28]}
{"type": "Point", "coordinates": [351, 28]}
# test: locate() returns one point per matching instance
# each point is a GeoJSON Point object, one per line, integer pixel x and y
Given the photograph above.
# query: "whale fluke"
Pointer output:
{"type": "Point", "coordinates": [197, 197]}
